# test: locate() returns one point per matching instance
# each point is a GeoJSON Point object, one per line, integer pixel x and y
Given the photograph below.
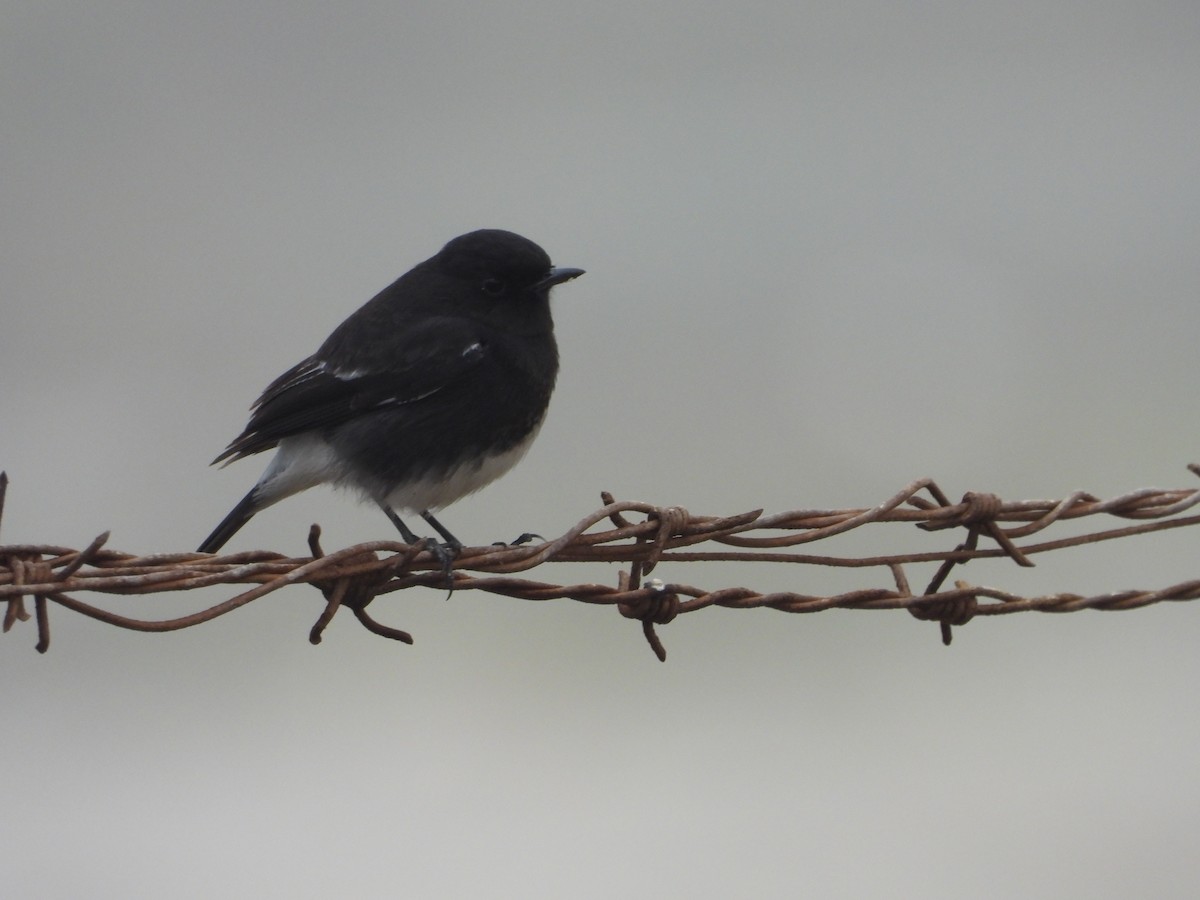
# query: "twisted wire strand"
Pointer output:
{"type": "Point", "coordinates": [635, 533]}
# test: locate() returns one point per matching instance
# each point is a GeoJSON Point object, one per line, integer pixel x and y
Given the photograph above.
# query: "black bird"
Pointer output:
{"type": "Point", "coordinates": [430, 391]}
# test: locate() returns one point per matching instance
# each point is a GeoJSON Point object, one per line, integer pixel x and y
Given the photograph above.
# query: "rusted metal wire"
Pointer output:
{"type": "Point", "coordinates": [638, 534]}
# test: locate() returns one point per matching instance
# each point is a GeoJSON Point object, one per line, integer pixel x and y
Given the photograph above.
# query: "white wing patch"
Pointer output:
{"type": "Point", "coordinates": [400, 401]}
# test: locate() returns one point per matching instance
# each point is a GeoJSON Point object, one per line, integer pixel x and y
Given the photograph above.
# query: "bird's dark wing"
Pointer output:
{"type": "Point", "coordinates": [319, 393]}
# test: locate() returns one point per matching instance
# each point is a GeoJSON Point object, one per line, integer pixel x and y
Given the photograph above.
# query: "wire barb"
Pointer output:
{"type": "Point", "coordinates": [354, 591]}
{"type": "Point", "coordinates": [640, 535]}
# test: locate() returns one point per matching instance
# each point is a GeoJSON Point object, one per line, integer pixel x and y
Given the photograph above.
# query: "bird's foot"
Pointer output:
{"type": "Point", "coordinates": [523, 539]}
{"type": "Point", "coordinates": [445, 553]}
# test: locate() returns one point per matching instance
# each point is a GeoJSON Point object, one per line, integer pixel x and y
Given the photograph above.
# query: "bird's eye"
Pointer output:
{"type": "Point", "coordinates": [494, 286]}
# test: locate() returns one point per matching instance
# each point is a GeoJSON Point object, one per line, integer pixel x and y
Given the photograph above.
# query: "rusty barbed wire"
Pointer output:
{"type": "Point", "coordinates": [354, 576]}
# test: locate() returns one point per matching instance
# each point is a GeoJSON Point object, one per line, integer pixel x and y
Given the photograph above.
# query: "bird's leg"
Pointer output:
{"type": "Point", "coordinates": [452, 543]}
{"type": "Point", "coordinates": [405, 531]}
{"type": "Point", "coordinates": [444, 553]}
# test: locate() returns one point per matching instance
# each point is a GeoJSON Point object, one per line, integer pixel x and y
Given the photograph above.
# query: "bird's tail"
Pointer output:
{"type": "Point", "coordinates": [238, 516]}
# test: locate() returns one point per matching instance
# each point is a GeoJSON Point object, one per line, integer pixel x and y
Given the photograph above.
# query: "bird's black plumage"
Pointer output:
{"type": "Point", "coordinates": [429, 391]}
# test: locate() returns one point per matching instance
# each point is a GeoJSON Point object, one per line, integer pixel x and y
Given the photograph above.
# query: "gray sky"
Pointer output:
{"type": "Point", "coordinates": [830, 248]}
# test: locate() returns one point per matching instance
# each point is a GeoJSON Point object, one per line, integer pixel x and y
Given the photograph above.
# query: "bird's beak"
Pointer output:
{"type": "Point", "coordinates": [557, 276]}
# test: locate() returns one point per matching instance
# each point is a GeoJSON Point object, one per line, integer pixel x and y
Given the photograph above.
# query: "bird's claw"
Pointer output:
{"type": "Point", "coordinates": [522, 539]}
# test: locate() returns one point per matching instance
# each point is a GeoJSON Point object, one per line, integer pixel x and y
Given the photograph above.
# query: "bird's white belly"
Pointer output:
{"type": "Point", "coordinates": [438, 490]}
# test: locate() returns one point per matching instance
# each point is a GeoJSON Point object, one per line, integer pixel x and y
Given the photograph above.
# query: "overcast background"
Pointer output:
{"type": "Point", "coordinates": [830, 247]}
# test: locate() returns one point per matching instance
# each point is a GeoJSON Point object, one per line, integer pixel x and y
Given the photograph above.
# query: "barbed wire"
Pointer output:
{"type": "Point", "coordinates": [354, 576]}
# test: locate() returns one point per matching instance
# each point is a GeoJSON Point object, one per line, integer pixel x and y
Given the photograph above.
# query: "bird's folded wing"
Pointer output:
{"type": "Point", "coordinates": [325, 392]}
